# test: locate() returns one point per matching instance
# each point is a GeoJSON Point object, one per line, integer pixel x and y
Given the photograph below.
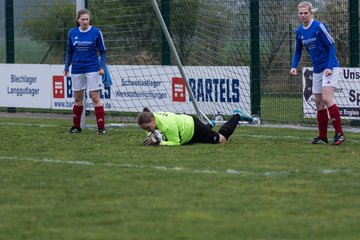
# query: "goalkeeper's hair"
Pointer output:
{"type": "Point", "coordinates": [145, 116]}
{"type": "Point", "coordinates": [78, 15]}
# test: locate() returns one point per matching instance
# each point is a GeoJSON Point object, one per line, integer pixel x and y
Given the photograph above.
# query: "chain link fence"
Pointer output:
{"type": "Point", "coordinates": [133, 36]}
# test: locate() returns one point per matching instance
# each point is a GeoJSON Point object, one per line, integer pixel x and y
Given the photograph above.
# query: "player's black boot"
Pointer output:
{"type": "Point", "coordinates": [74, 130]}
{"type": "Point", "coordinates": [318, 140]}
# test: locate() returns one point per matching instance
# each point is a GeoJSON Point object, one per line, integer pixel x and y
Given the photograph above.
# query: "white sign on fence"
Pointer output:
{"type": "Point", "coordinates": [25, 85]}
{"type": "Point", "coordinates": [137, 86]}
{"type": "Point", "coordinates": [346, 96]}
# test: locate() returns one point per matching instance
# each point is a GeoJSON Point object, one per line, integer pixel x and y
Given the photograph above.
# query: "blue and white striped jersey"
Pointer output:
{"type": "Point", "coordinates": [82, 49]}
{"type": "Point", "coordinates": [319, 44]}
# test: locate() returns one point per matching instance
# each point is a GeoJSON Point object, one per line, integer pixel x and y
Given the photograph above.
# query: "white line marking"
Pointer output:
{"type": "Point", "coordinates": [28, 124]}
{"type": "Point", "coordinates": [274, 173]}
{"type": "Point", "coordinates": [271, 136]}
{"type": "Point", "coordinates": [233, 171]}
{"type": "Point", "coordinates": [331, 171]}
{"type": "Point", "coordinates": [180, 169]}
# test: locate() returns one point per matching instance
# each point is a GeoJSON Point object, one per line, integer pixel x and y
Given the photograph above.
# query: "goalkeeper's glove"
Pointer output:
{"type": "Point", "coordinates": [152, 141]}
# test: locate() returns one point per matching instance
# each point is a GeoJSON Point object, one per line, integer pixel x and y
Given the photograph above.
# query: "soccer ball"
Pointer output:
{"type": "Point", "coordinates": [154, 138]}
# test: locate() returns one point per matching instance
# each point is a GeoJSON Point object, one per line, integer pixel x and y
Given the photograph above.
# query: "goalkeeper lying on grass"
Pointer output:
{"type": "Point", "coordinates": [180, 129]}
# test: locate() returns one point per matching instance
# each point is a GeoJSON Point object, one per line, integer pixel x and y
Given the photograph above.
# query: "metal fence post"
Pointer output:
{"type": "Point", "coordinates": [354, 39]}
{"type": "Point", "coordinates": [165, 7]}
{"type": "Point", "coordinates": [255, 58]}
{"type": "Point", "coordinates": [9, 35]}
{"type": "Point", "coordinates": [354, 32]}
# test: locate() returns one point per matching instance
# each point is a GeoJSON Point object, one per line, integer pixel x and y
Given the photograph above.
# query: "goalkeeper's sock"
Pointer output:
{"type": "Point", "coordinates": [77, 112]}
{"type": "Point", "coordinates": [335, 118]}
{"type": "Point", "coordinates": [100, 117]}
{"type": "Point", "coordinates": [322, 119]}
{"type": "Point", "coordinates": [229, 127]}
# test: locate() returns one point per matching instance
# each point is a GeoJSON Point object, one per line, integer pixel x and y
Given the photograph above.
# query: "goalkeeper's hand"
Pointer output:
{"type": "Point", "coordinates": [151, 141]}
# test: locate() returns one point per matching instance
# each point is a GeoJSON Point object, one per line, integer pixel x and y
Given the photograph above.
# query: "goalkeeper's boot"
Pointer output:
{"type": "Point", "coordinates": [101, 131]}
{"type": "Point", "coordinates": [243, 116]}
{"type": "Point", "coordinates": [318, 140]}
{"type": "Point", "coordinates": [338, 139]}
{"type": "Point", "coordinates": [75, 130]}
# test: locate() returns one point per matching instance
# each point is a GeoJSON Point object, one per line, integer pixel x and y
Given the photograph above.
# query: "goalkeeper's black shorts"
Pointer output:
{"type": "Point", "coordinates": [203, 133]}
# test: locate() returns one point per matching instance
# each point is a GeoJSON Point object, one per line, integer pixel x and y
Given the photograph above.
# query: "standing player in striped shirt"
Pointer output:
{"type": "Point", "coordinates": [83, 42]}
{"type": "Point", "coordinates": [315, 37]}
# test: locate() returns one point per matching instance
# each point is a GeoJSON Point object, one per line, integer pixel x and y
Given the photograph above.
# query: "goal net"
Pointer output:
{"type": "Point", "coordinates": [205, 74]}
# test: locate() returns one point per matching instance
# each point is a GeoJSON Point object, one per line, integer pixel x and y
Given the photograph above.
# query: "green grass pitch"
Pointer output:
{"type": "Point", "coordinates": [265, 183]}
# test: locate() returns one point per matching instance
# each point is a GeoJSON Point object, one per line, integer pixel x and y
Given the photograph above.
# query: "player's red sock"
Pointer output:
{"type": "Point", "coordinates": [335, 118]}
{"type": "Point", "coordinates": [77, 112]}
{"type": "Point", "coordinates": [100, 117]}
{"type": "Point", "coordinates": [322, 118]}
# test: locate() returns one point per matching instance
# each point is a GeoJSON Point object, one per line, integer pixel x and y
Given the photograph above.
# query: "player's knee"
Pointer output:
{"type": "Point", "coordinates": [95, 97]}
{"type": "Point", "coordinates": [320, 105]}
{"type": "Point", "coordinates": [78, 97]}
{"type": "Point", "coordinates": [95, 100]}
{"type": "Point", "coordinates": [327, 100]}
{"type": "Point", "coordinates": [78, 100]}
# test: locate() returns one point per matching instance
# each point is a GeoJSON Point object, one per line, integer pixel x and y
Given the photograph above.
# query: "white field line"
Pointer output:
{"type": "Point", "coordinates": [28, 124]}
{"type": "Point", "coordinates": [177, 169]}
{"type": "Point", "coordinates": [271, 136]}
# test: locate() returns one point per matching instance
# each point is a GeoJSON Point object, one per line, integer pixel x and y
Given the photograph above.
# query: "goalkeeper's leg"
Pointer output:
{"type": "Point", "coordinates": [228, 128]}
{"type": "Point", "coordinates": [204, 134]}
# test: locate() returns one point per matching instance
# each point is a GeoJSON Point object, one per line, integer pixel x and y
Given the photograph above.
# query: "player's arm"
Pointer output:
{"type": "Point", "coordinates": [69, 55]}
{"type": "Point", "coordinates": [332, 56]}
{"type": "Point", "coordinates": [101, 46]}
{"type": "Point", "coordinates": [102, 62]}
{"type": "Point", "coordinates": [297, 55]}
{"type": "Point", "coordinates": [330, 44]}
{"type": "Point", "coordinates": [68, 60]}
{"type": "Point", "coordinates": [172, 136]}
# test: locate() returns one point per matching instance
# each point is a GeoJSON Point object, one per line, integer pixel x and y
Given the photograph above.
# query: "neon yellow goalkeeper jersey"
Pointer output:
{"type": "Point", "coordinates": [177, 128]}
